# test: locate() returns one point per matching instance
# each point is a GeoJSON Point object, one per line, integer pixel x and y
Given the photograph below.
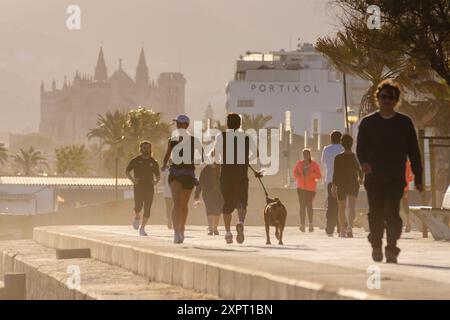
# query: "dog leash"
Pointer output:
{"type": "Point", "coordinates": [260, 181]}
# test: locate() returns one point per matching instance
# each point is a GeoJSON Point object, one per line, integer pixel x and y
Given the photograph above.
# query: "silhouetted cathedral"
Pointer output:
{"type": "Point", "coordinates": [68, 113]}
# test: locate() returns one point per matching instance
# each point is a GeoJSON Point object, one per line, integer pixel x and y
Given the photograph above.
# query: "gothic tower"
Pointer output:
{"type": "Point", "coordinates": [142, 71]}
{"type": "Point", "coordinates": [101, 74]}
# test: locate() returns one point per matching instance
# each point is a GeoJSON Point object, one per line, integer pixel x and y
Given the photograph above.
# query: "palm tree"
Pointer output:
{"type": "Point", "coordinates": [29, 161]}
{"type": "Point", "coordinates": [111, 130]}
{"type": "Point", "coordinates": [348, 52]}
{"type": "Point", "coordinates": [121, 132]}
{"type": "Point", "coordinates": [72, 160]}
{"type": "Point", "coordinates": [144, 123]}
{"type": "Point", "coordinates": [3, 154]}
{"type": "Point", "coordinates": [256, 122]}
{"type": "Point", "coordinates": [221, 127]}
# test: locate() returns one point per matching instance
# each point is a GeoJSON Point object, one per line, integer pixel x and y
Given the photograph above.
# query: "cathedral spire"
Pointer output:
{"type": "Point", "coordinates": [142, 70]}
{"type": "Point", "coordinates": [101, 74]}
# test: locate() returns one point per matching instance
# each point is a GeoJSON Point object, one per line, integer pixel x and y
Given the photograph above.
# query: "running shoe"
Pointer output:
{"type": "Point", "coordinates": [240, 233]}
{"type": "Point", "coordinates": [142, 232]}
{"type": "Point", "coordinates": [181, 237]}
{"type": "Point", "coordinates": [136, 223]}
{"type": "Point", "coordinates": [391, 257]}
{"type": "Point", "coordinates": [377, 254]}
{"type": "Point", "coordinates": [176, 238]}
{"type": "Point", "coordinates": [229, 237]}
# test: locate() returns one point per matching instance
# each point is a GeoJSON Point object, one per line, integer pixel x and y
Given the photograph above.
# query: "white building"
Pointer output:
{"type": "Point", "coordinates": [301, 81]}
{"type": "Point", "coordinates": [34, 195]}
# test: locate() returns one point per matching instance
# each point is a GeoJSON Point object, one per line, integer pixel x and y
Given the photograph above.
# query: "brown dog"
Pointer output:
{"type": "Point", "coordinates": [275, 215]}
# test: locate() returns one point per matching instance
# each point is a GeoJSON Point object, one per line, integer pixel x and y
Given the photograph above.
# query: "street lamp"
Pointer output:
{"type": "Point", "coordinates": [344, 78]}
{"type": "Point", "coordinates": [116, 185]}
{"type": "Point", "coordinates": [352, 118]}
{"type": "Point", "coordinates": [288, 129]}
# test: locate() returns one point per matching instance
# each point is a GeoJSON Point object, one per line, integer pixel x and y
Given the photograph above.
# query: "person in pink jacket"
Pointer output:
{"type": "Point", "coordinates": [306, 173]}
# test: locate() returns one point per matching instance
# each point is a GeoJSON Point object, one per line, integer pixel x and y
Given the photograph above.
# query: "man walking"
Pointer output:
{"type": "Point", "coordinates": [234, 150]}
{"type": "Point", "coordinates": [385, 139]}
{"type": "Point", "coordinates": [329, 153]}
{"type": "Point", "coordinates": [145, 174]}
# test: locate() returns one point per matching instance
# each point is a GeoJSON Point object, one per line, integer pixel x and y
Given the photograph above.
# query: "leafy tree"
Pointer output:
{"type": "Point", "coordinates": [71, 160]}
{"type": "Point", "coordinates": [145, 124]}
{"type": "Point", "coordinates": [120, 133]}
{"type": "Point", "coordinates": [256, 122]}
{"type": "Point", "coordinates": [349, 53]}
{"type": "Point", "coordinates": [416, 28]}
{"type": "Point", "coordinates": [29, 161]}
{"type": "Point", "coordinates": [111, 131]}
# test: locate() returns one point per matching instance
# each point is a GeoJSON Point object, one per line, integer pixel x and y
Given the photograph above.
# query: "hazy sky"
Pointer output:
{"type": "Point", "coordinates": [200, 38]}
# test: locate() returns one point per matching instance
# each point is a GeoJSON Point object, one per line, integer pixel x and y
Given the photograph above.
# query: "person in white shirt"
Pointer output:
{"type": "Point", "coordinates": [329, 153]}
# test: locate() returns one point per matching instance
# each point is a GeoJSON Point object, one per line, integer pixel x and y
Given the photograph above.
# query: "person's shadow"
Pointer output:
{"type": "Point", "coordinates": [424, 266]}
{"type": "Point", "coordinates": [276, 246]}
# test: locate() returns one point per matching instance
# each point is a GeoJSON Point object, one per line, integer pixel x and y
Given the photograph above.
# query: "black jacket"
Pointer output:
{"type": "Point", "coordinates": [385, 144]}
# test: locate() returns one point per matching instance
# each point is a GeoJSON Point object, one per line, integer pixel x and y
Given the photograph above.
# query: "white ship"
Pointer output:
{"type": "Point", "coordinates": [301, 81]}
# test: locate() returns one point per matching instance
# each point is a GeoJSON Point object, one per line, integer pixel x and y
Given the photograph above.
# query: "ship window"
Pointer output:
{"type": "Point", "coordinates": [245, 103]}
{"type": "Point", "coordinates": [240, 75]}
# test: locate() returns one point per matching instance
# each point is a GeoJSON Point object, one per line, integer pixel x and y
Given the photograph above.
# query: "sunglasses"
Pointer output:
{"type": "Point", "coordinates": [386, 97]}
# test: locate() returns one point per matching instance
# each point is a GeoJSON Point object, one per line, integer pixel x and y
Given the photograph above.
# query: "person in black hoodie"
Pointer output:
{"type": "Point", "coordinates": [385, 139]}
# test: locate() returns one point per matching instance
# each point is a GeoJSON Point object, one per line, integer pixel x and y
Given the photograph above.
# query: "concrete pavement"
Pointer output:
{"type": "Point", "coordinates": [310, 264]}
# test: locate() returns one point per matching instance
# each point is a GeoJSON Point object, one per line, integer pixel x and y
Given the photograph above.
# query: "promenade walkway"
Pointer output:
{"type": "Point", "coordinates": [308, 266]}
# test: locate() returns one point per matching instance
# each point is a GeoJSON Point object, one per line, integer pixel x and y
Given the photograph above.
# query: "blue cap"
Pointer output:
{"type": "Point", "coordinates": [182, 119]}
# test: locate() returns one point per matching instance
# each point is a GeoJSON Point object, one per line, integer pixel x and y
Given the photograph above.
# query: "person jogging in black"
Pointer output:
{"type": "Point", "coordinates": [145, 175]}
{"type": "Point", "coordinates": [385, 139]}
{"type": "Point", "coordinates": [234, 150]}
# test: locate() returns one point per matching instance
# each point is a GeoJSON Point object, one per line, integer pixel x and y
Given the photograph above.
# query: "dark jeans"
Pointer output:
{"type": "Point", "coordinates": [384, 212]}
{"type": "Point", "coordinates": [305, 199]}
{"type": "Point", "coordinates": [332, 212]}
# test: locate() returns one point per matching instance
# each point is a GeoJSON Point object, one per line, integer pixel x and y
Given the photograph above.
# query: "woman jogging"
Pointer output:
{"type": "Point", "coordinates": [181, 150]}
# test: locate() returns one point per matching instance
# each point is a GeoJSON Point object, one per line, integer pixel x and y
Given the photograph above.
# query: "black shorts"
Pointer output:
{"type": "Point", "coordinates": [143, 197]}
{"type": "Point", "coordinates": [234, 192]}
{"type": "Point", "coordinates": [344, 192]}
{"type": "Point", "coordinates": [187, 182]}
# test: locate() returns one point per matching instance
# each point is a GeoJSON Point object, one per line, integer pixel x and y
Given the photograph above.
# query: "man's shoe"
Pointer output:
{"type": "Point", "coordinates": [176, 238]}
{"type": "Point", "coordinates": [349, 234]}
{"type": "Point", "coordinates": [391, 257]}
{"type": "Point", "coordinates": [216, 232]}
{"type": "Point", "coordinates": [302, 228]}
{"type": "Point", "coordinates": [181, 236]}
{"type": "Point", "coordinates": [142, 232]}
{"type": "Point", "coordinates": [240, 233]}
{"type": "Point", "coordinates": [408, 228]}
{"type": "Point", "coordinates": [311, 228]}
{"type": "Point", "coordinates": [229, 237]}
{"type": "Point", "coordinates": [136, 223]}
{"type": "Point", "coordinates": [330, 235]}
{"type": "Point", "coordinates": [377, 254]}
